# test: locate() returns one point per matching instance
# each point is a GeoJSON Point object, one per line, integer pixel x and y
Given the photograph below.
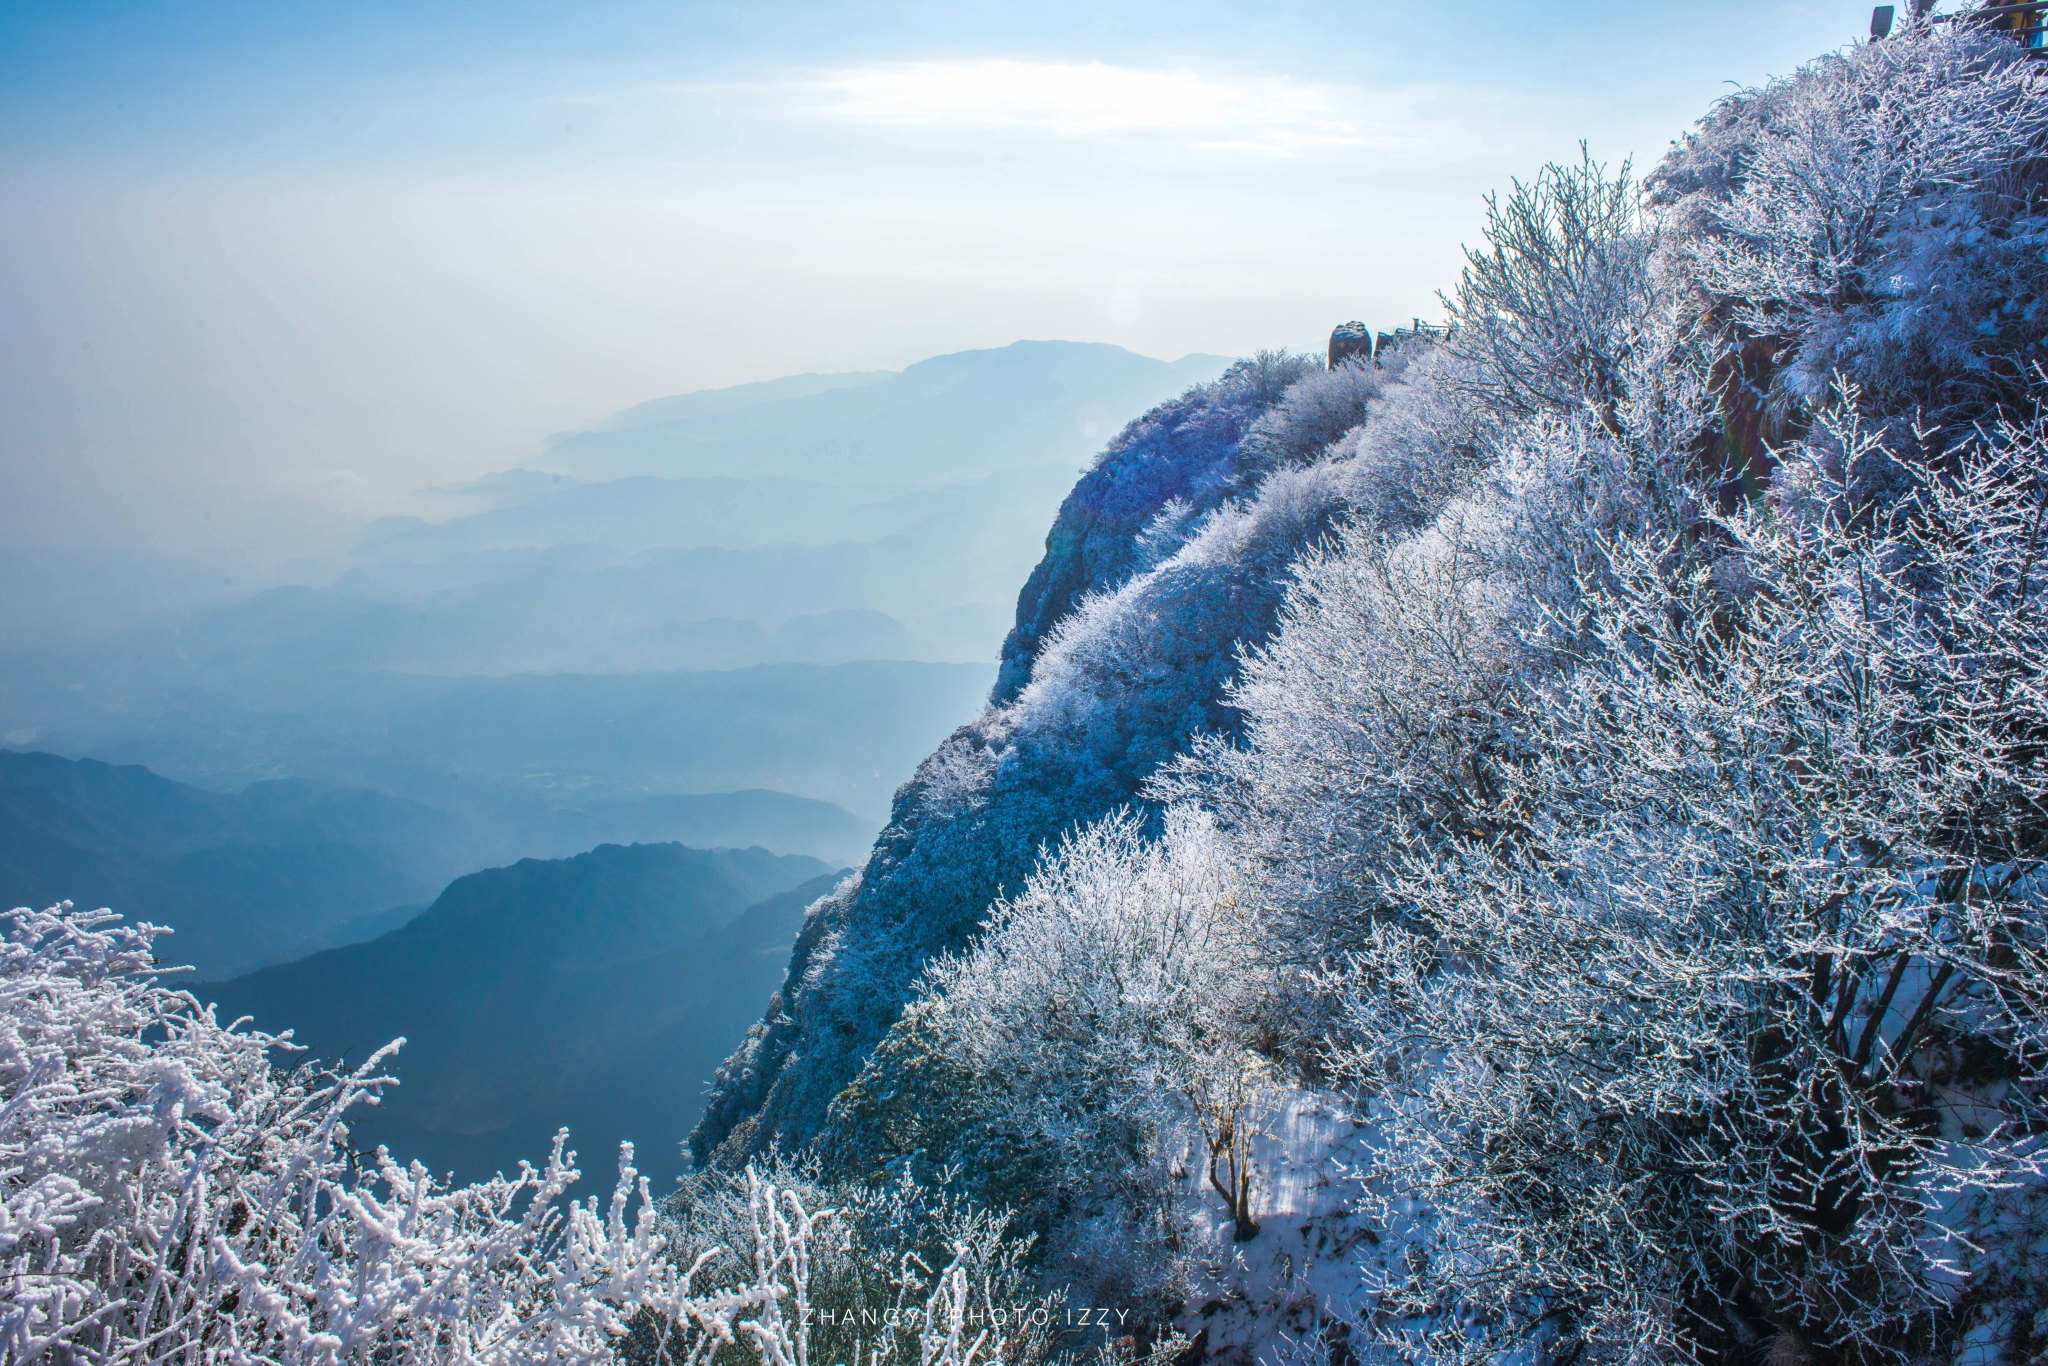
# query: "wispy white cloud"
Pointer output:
{"type": "Point", "coordinates": [1097, 100]}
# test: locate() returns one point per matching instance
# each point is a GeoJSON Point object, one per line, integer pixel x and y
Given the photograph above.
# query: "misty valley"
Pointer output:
{"type": "Point", "coordinates": [725, 623]}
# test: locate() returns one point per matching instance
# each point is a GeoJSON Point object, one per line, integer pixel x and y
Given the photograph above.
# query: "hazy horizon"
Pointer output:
{"type": "Point", "coordinates": [271, 272]}
{"type": "Point", "coordinates": [798, 586]}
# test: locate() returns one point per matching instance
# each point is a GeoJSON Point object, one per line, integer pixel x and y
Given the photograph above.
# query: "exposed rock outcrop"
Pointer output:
{"type": "Point", "coordinates": [1348, 341]}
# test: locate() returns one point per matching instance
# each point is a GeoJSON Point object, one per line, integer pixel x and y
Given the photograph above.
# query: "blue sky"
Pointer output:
{"type": "Point", "coordinates": [281, 264]}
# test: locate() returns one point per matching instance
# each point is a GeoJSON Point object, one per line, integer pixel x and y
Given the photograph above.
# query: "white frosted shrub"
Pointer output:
{"type": "Point", "coordinates": [889, 1248]}
{"type": "Point", "coordinates": [1094, 991]}
{"type": "Point", "coordinates": [1879, 213]}
{"type": "Point", "coordinates": [1749, 975]}
{"type": "Point", "coordinates": [1554, 306]}
{"type": "Point", "coordinates": [1096, 1012]}
{"type": "Point", "coordinates": [167, 1194]}
{"type": "Point", "coordinates": [1424, 437]}
{"type": "Point", "coordinates": [1165, 639]}
{"type": "Point", "coordinates": [1317, 410]}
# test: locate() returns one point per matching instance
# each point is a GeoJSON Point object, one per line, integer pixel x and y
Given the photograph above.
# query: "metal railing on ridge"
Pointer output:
{"type": "Point", "coordinates": [2027, 23]}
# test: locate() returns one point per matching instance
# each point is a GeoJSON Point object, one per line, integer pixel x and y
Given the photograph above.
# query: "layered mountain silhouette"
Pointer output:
{"type": "Point", "coordinates": [802, 583]}
{"type": "Point", "coordinates": [284, 868]}
{"type": "Point", "coordinates": [815, 519]}
{"type": "Point", "coordinates": [706, 401]}
{"type": "Point", "coordinates": [957, 416]}
{"type": "Point", "coordinates": [246, 878]}
{"type": "Point", "coordinates": [599, 991]}
{"type": "Point", "coordinates": [501, 749]}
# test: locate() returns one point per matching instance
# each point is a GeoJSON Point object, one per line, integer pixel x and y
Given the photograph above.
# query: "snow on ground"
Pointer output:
{"type": "Point", "coordinates": [1990, 1249]}
{"type": "Point", "coordinates": [1274, 1299]}
{"type": "Point", "coordinates": [1287, 1297]}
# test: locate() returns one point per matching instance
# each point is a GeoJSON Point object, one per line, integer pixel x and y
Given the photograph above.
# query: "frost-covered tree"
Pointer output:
{"type": "Point", "coordinates": [1880, 213]}
{"type": "Point", "coordinates": [882, 1267]}
{"type": "Point", "coordinates": [1225, 1089]}
{"type": "Point", "coordinates": [1749, 974]}
{"type": "Point", "coordinates": [1100, 1010]}
{"type": "Point", "coordinates": [1556, 302]}
{"type": "Point", "coordinates": [166, 1194]}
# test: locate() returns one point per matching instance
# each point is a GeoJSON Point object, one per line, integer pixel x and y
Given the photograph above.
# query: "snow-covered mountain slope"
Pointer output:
{"type": "Point", "coordinates": [1594, 743]}
{"type": "Point", "coordinates": [1531, 850]}
{"type": "Point", "coordinates": [972, 820]}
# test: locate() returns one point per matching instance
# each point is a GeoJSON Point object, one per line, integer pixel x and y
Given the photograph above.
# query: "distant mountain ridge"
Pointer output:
{"type": "Point", "coordinates": [703, 402]}
{"type": "Point", "coordinates": [285, 868]}
{"type": "Point", "coordinates": [957, 416]}
{"type": "Point", "coordinates": [244, 878]}
{"type": "Point", "coordinates": [598, 991]}
{"type": "Point", "coordinates": [843, 734]}
{"type": "Point", "coordinates": [702, 820]}
{"type": "Point", "coordinates": [647, 512]}
{"type": "Point", "coordinates": [685, 532]}
{"type": "Point", "coordinates": [648, 573]}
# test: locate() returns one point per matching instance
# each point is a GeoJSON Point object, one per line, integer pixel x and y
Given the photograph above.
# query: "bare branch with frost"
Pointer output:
{"type": "Point", "coordinates": [167, 1194]}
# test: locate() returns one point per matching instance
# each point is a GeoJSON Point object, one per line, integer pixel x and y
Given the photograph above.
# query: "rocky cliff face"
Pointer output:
{"type": "Point", "coordinates": [1047, 754]}
{"type": "Point", "coordinates": [1182, 453]}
